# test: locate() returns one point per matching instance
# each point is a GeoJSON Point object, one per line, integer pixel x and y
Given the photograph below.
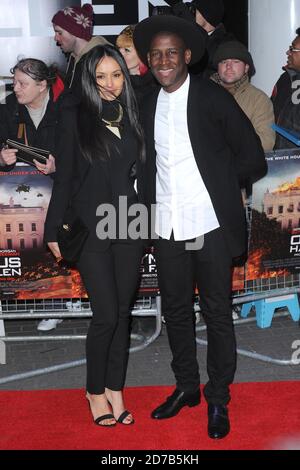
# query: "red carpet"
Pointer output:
{"type": "Point", "coordinates": [263, 416]}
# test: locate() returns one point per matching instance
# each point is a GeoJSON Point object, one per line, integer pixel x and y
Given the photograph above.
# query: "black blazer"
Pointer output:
{"type": "Point", "coordinates": [86, 185]}
{"type": "Point", "coordinates": [227, 151]}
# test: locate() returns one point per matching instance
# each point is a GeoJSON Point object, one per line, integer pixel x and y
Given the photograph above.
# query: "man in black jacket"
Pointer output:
{"type": "Point", "coordinates": [201, 149]}
{"type": "Point", "coordinates": [209, 15]}
{"type": "Point", "coordinates": [285, 95]}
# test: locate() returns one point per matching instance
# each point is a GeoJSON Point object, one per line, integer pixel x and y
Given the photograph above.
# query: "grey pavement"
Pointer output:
{"type": "Point", "coordinates": [150, 366]}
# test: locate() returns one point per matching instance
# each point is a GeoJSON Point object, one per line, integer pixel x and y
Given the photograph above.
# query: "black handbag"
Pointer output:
{"type": "Point", "coordinates": [71, 236]}
{"type": "Point", "coordinates": [72, 233]}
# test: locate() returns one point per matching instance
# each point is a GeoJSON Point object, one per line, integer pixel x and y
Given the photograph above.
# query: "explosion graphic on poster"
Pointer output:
{"type": "Point", "coordinates": [275, 227]}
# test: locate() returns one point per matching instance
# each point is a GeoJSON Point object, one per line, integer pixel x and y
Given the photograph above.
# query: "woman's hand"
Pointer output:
{"type": "Point", "coordinates": [47, 168]}
{"type": "Point", "coordinates": [8, 156]}
{"type": "Point", "coordinates": [54, 248]}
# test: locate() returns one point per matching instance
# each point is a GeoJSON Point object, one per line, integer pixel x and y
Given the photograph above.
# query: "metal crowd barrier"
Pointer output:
{"type": "Point", "coordinates": [68, 308]}
{"type": "Point", "coordinates": [260, 289]}
{"type": "Point", "coordinates": [144, 307]}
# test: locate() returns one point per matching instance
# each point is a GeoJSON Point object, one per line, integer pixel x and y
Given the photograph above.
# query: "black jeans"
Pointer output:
{"type": "Point", "coordinates": [111, 279]}
{"type": "Point", "coordinates": [211, 267]}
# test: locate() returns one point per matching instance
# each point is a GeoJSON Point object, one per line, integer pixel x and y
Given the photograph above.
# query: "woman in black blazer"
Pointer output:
{"type": "Point", "coordinates": [103, 148]}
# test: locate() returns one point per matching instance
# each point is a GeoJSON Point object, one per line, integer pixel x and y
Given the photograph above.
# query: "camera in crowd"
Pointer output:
{"type": "Point", "coordinates": [176, 8]}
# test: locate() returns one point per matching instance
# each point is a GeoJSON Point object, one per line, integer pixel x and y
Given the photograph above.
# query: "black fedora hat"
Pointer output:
{"type": "Point", "coordinates": [192, 34]}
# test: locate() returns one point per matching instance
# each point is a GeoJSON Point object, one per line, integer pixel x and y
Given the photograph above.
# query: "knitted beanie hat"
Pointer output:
{"type": "Point", "coordinates": [76, 20]}
{"type": "Point", "coordinates": [234, 50]}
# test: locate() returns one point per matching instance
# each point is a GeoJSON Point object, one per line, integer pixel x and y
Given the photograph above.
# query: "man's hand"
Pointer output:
{"type": "Point", "coordinates": [182, 11]}
{"type": "Point", "coordinates": [47, 168]}
{"type": "Point", "coordinates": [54, 248]}
{"type": "Point", "coordinates": [8, 156]}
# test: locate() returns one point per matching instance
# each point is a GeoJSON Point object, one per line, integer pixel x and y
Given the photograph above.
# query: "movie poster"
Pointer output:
{"type": "Point", "coordinates": [275, 227]}
{"type": "Point", "coordinates": [27, 269]}
{"type": "Point", "coordinates": [149, 281]}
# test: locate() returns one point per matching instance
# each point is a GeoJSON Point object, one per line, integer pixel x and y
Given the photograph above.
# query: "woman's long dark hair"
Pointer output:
{"type": "Point", "coordinates": [93, 137]}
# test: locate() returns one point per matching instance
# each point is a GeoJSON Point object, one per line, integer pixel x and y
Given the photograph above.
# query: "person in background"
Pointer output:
{"type": "Point", "coordinates": [235, 69]}
{"type": "Point", "coordinates": [285, 95]}
{"type": "Point", "coordinates": [209, 15]}
{"type": "Point", "coordinates": [26, 113]}
{"type": "Point", "coordinates": [200, 149]}
{"type": "Point", "coordinates": [73, 28]}
{"type": "Point", "coordinates": [32, 115]}
{"type": "Point", "coordinates": [142, 79]}
{"type": "Point", "coordinates": [104, 148]}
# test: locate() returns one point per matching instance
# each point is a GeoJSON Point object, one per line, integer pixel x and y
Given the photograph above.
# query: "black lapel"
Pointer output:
{"type": "Point", "coordinates": [193, 113]}
{"type": "Point", "coordinates": [150, 118]}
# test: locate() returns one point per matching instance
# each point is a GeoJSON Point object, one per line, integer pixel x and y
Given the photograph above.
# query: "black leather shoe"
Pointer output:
{"type": "Point", "coordinates": [175, 402]}
{"type": "Point", "coordinates": [218, 421]}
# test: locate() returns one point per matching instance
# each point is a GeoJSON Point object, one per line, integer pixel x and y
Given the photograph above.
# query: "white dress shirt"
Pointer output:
{"type": "Point", "coordinates": [182, 200]}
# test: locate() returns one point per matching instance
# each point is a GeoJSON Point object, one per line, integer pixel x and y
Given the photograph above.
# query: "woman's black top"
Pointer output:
{"type": "Point", "coordinates": [87, 186]}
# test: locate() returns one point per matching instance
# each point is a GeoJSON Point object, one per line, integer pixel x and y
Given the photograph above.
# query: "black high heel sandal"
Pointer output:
{"type": "Point", "coordinates": [123, 416]}
{"type": "Point", "coordinates": [101, 418]}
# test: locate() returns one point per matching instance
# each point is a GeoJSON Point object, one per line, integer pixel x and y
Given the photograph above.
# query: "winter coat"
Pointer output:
{"type": "Point", "coordinates": [49, 133]}
{"type": "Point", "coordinates": [258, 108]}
{"type": "Point", "coordinates": [285, 97]}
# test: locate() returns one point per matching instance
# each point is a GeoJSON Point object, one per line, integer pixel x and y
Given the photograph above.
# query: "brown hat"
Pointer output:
{"type": "Point", "coordinates": [192, 34]}
{"type": "Point", "coordinates": [76, 20]}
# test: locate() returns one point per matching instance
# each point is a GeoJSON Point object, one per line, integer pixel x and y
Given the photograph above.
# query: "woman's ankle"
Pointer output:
{"type": "Point", "coordinates": [95, 396]}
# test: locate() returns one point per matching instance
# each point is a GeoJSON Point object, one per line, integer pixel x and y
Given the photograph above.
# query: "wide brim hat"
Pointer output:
{"type": "Point", "coordinates": [192, 34]}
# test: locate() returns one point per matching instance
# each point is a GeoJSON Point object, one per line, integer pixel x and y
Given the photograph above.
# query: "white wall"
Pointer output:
{"type": "Point", "coordinates": [272, 26]}
{"type": "Point", "coordinates": [26, 31]}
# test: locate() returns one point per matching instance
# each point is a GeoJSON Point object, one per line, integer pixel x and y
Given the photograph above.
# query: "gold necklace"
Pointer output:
{"type": "Point", "coordinates": [114, 126]}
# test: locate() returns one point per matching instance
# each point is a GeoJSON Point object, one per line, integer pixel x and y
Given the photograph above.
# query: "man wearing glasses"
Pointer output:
{"type": "Point", "coordinates": [286, 95]}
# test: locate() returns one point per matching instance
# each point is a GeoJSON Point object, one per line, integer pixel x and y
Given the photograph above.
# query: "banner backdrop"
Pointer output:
{"type": "Point", "coordinates": [275, 226]}
{"type": "Point", "coordinates": [29, 271]}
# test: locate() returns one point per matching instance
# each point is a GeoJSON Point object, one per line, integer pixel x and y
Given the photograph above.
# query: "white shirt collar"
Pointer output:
{"type": "Point", "coordinates": [181, 92]}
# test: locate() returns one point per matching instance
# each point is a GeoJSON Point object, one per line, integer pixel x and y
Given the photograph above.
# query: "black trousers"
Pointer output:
{"type": "Point", "coordinates": [211, 267]}
{"type": "Point", "coordinates": [111, 279]}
